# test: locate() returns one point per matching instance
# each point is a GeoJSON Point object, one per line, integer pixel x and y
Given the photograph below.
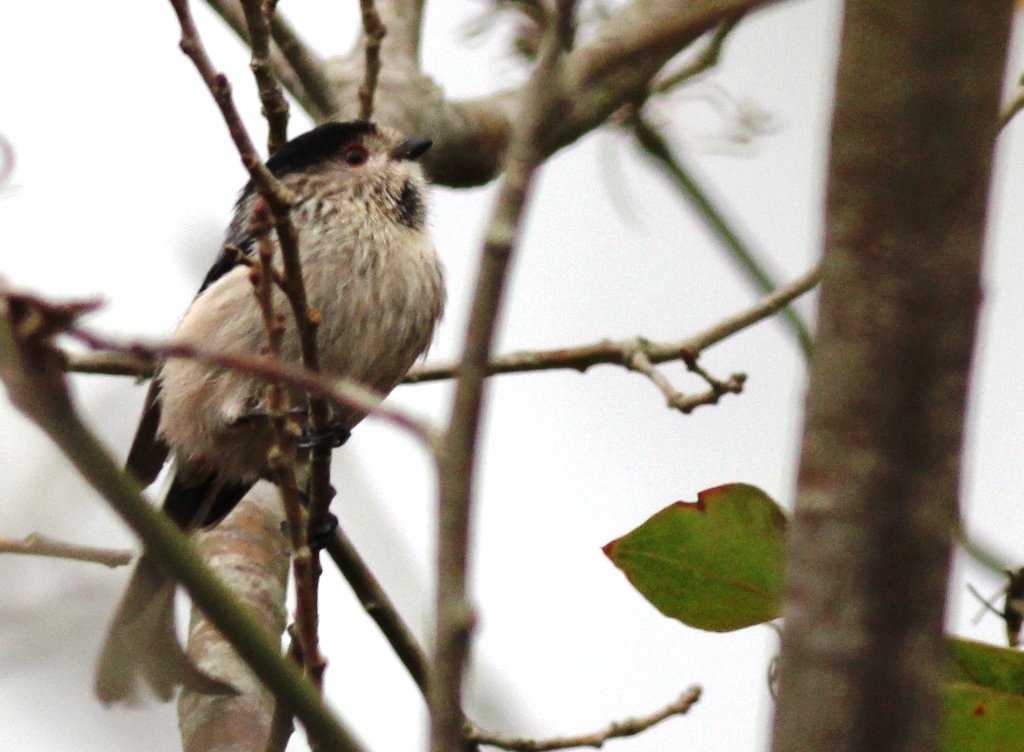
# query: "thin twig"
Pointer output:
{"type": "Point", "coordinates": [108, 364]}
{"type": "Point", "coordinates": [282, 723]}
{"type": "Point", "coordinates": [275, 107]}
{"type": "Point", "coordinates": [578, 358]}
{"type": "Point", "coordinates": [628, 727]}
{"type": "Point", "coordinates": [379, 607]}
{"type": "Point", "coordinates": [267, 185]}
{"type": "Point", "coordinates": [294, 63]}
{"type": "Point", "coordinates": [340, 390]}
{"type": "Point", "coordinates": [453, 614]}
{"type": "Point", "coordinates": [640, 363]}
{"type": "Point", "coordinates": [308, 67]}
{"type": "Point", "coordinates": [565, 23]}
{"type": "Point", "coordinates": [375, 31]}
{"type": "Point", "coordinates": [38, 544]}
{"type": "Point", "coordinates": [282, 456]}
{"type": "Point", "coordinates": [707, 59]}
{"type": "Point", "coordinates": [617, 352]}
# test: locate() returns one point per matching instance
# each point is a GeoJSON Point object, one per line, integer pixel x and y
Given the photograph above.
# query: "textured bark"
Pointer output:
{"type": "Point", "coordinates": [916, 111]}
{"type": "Point", "coordinates": [250, 553]}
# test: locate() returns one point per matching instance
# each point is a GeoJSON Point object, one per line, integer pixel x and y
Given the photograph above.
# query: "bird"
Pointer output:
{"type": "Point", "coordinates": [371, 271]}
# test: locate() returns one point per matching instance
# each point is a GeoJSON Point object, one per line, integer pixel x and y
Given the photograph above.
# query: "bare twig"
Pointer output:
{"type": "Point", "coordinates": [282, 722]}
{"type": "Point", "coordinates": [578, 358]}
{"type": "Point", "coordinates": [275, 107]}
{"type": "Point", "coordinates": [630, 48]}
{"type": "Point", "coordinates": [109, 364]}
{"type": "Point", "coordinates": [375, 31]}
{"type": "Point", "coordinates": [453, 614]}
{"type": "Point", "coordinates": [610, 70]}
{"type": "Point", "coordinates": [294, 64]}
{"type": "Point", "coordinates": [307, 65]}
{"type": "Point", "coordinates": [617, 352]}
{"type": "Point", "coordinates": [628, 727]}
{"type": "Point", "coordinates": [565, 23]}
{"type": "Point", "coordinates": [342, 391]}
{"type": "Point", "coordinates": [379, 607]}
{"type": "Point", "coordinates": [707, 59]}
{"type": "Point", "coordinates": [282, 457]}
{"type": "Point", "coordinates": [267, 185]}
{"type": "Point", "coordinates": [38, 544]}
{"type": "Point", "coordinates": [306, 320]}
{"type": "Point", "coordinates": [639, 362]}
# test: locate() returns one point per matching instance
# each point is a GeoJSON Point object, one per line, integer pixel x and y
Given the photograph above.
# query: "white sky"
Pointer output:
{"type": "Point", "coordinates": [125, 178]}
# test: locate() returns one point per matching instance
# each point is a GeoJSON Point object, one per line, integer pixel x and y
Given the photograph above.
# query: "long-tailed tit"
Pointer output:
{"type": "Point", "coordinates": [371, 271]}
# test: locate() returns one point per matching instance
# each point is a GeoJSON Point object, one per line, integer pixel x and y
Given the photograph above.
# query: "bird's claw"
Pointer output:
{"type": "Point", "coordinates": [321, 537]}
{"type": "Point", "coordinates": [334, 435]}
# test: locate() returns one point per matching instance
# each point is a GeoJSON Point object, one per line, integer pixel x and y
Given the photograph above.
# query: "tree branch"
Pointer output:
{"type": "Point", "coordinates": [342, 391]}
{"type": "Point", "coordinates": [374, 33]}
{"type": "Point", "coordinates": [294, 63]}
{"type": "Point", "coordinates": [38, 544]}
{"type": "Point", "coordinates": [471, 137]}
{"type": "Point", "coordinates": [628, 727]}
{"type": "Point", "coordinates": [244, 551]}
{"type": "Point", "coordinates": [282, 457]}
{"type": "Point", "coordinates": [457, 459]}
{"type": "Point", "coordinates": [379, 607]}
{"type": "Point", "coordinates": [275, 107]}
{"type": "Point", "coordinates": [582, 357]}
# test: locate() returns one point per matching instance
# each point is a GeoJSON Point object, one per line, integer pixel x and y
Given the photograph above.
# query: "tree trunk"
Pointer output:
{"type": "Point", "coordinates": [917, 103]}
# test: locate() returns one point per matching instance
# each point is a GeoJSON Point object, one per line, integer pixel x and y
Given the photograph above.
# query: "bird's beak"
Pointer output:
{"type": "Point", "coordinates": [412, 148]}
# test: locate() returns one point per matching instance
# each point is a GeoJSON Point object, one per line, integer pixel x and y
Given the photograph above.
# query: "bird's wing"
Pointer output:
{"type": "Point", "coordinates": [149, 452]}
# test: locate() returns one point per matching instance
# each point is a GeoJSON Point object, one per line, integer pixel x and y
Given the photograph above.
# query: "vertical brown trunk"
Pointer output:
{"type": "Point", "coordinates": [915, 121]}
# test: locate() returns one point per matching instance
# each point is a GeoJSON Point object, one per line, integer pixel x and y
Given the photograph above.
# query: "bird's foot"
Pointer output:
{"type": "Point", "coordinates": [334, 435]}
{"type": "Point", "coordinates": [321, 537]}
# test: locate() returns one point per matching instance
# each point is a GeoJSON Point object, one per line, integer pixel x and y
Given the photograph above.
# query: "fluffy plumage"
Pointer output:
{"type": "Point", "coordinates": [371, 270]}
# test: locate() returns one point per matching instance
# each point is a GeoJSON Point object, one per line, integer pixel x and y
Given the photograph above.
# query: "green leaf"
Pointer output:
{"type": "Point", "coordinates": [984, 698]}
{"type": "Point", "coordinates": [986, 665]}
{"type": "Point", "coordinates": [715, 564]}
{"type": "Point", "coordinates": [979, 719]}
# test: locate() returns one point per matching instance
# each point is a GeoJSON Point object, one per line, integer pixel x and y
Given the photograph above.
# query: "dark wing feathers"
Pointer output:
{"type": "Point", "coordinates": [226, 261]}
{"type": "Point", "coordinates": [148, 453]}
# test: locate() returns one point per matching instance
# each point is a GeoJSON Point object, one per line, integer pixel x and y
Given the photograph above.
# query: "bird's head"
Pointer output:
{"type": "Point", "coordinates": [370, 162]}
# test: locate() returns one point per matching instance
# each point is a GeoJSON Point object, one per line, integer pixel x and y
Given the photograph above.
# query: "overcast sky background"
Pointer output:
{"type": "Point", "coordinates": [125, 179]}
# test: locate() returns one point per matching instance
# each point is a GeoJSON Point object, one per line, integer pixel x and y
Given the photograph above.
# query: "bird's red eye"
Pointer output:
{"type": "Point", "coordinates": [355, 155]}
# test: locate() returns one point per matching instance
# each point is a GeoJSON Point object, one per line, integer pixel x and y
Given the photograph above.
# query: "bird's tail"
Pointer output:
{"type": "Point", "coordinates": [142, 647]}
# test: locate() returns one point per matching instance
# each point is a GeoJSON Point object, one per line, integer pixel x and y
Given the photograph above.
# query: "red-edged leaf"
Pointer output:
{"type": "Point", "coordinates": [715, 564]}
